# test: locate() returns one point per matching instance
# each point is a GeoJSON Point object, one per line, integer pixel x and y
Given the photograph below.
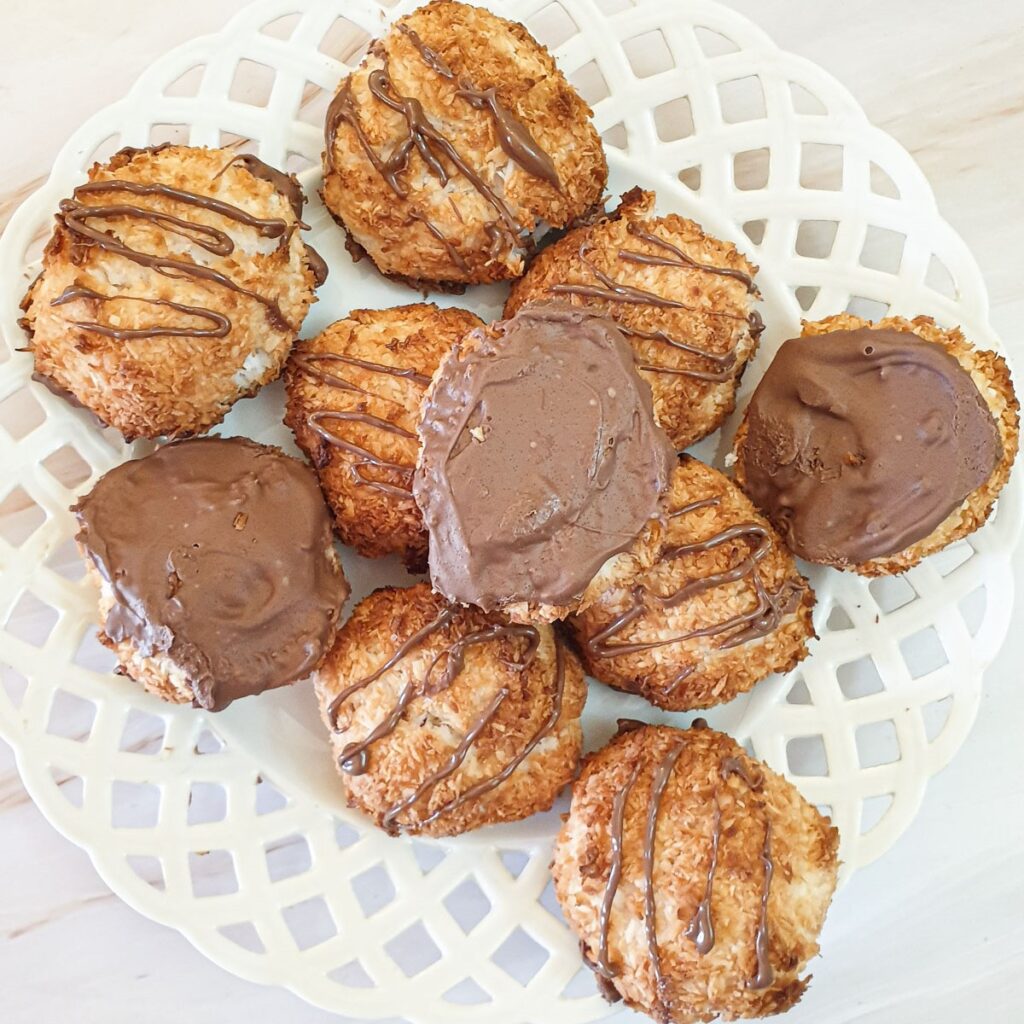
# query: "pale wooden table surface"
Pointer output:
{"type": "Point", "coordinates": [935, 931]}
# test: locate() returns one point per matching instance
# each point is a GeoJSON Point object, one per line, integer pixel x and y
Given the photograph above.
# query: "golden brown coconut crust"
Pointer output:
{"type": "Point", "coordinates": [427, 231]}
{"type": "Point", "coordinates": [174, 385]}
{"type": "Point", "coordinates": [540, 712]}
{"type": "Point", "coordinates": [716, 315]}
{"type": "Point", "coordinates": [991, 377]}
{"type": "Point", "coordinates": [371, 510]}
{"type": "Point", "coordinates": [755, 805]}
{"type": "Point", "coordinates": [704, 670]}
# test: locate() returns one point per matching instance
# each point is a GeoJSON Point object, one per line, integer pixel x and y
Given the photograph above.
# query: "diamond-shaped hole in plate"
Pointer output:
{"type": "Point", "coordinates": [806, 756]}
{"type": "Point", "coordinates": [825, 810]}
{"type": "Point", "coordinates": [581, 985]}
{"type": "Point", "coordinates": [207, 803]}
{"type": "Point", "coordinates": [345, 835]}
{"type": "Point", "coordinates": [142, 733]}
{"type": "Point", "coordinates": [549, 901]}
{"type": "Point", "coordinates": [815, 238]}
{"type": "Point", "coordinates": [208, 743]}
{"type": "Point", "coordinates": [67, 467]}
{"type": "Point", "coordinates": [712, 43]}
{"type": "Point", "coordinates": [351, 975]}
{"type": "Point", "coordinates": [750, 169]}
{"type": "Point", "coordinates": [935, 714]}
{"type": "Point", "coordinates": [21, 413]}
{"type": "Point", "coordinates": [821, 166]}
{"type": "Point", "coordinates": [20, 517]}
{"type": "Point", "coordinates": [176, 134]}
{"type": "Point", "coordinates": [883, 250]}
{"type": "Point", "coordinates": [134, 804]}
{"type": "Point", "coordinates": [877, 743]}
{"type": "Point", "coordinates": [148, 869]}
{"type": "Point", "coordinates": [466, 993]}
{"type": "Point", "coordinates": [868, 309]}
{"type": "Point", "coordinates": [103, 151]}
{"type": "Point", "coordinates": [838, 619]}
{"type": "Point", "coordinates": [427, 855]}
{"type": "Point", "coordinates": [515, 861]}
{"type": "Point", "coordinates": [268, 798]}
{"type": "Point", "coordinates": [923, 652]}
{"type": "Point", "coordinates": [859, 678]}
{"type": "Point", "coordinates": [287, 857]}
{"type": "Point", "coordinates": [71, 717]}
{"type": "Point", "coordinates": [873, 810]}
{"type": "Point", "coordinates": [616, 136]}
{"type": "Point", "coordinates": [31, 620]}
{"type": "Point", "coordinates": [252, 83]}
{"type": "Point", "coordinates": [881, 183]}
{"type": "Point", "coordinates": [92, 655]}
{"type": "Point", "coordinates": [972, 608]}
{"type": "Point", "coordinates": [283, 27]}
{"type": "Point", "coordinates": [413, 950]}
{"type": "Point", "coordinates": [296, 163]}
{"type": "Point", "coordinates": [212, 872]}
{"type": "Point", "coordinates": [552, 25]}
{"type": "Point", "coordinates": [310, 922]}
{"type": "Point", "coordinates": [374, 889]}
{"type": "Point", "coordinates": [754, 230]}
{"type": "Point", "coordinates": [891, 592]}
{"type": "Point", "coordinates": [70, 786]}
{"type": "Point", "coordinates": [648, 53]}
{"type": "Point", "coordinates": [65, 560]}
{"type": "Point", "coordinates": [804, 101]}
{"type": "Point", "coordinates": [344, 41]}
{"type": "Point", "coordinates": [313, 108]}
{"type": "Point", "coordinates": [187, 84]}
{"type": "Point", "coordinates": [590, 83]}
{"type": "Point", "coordinates": [690, 177]}
{"type": "Point", "coordinates": [674, 120]}
{"type": "Point", "coordinates": [14, 684]}
{"type": "Point", "coordinates": [940, 279]}
{"type": "Point", "coordinates": [948, 559]}
{"type": "Point", "coordinates": [468, 904]}
{"type": "Point", "coordinates": [805, 295]}
{"type": "Point", "coordinates": [520, 956]}
{"type": "Point", "coordinates": [742, 99]}
{"type": "Point", "coordinates": [244, 935]}
{"type": "Point", "coordinates": [798, 692]}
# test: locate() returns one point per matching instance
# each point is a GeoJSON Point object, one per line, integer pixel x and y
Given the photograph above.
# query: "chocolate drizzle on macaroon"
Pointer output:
{"type": "Point", "coordinates": [860, 443]}
{"type": "Point", "coordinates": [217, 555]}
{"type": "Point", "coordinates": [540, 459]}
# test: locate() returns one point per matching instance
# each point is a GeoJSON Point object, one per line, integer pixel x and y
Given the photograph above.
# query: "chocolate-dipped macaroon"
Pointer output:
{"type": "Point", "coordinates": [444, 718]}
{"type": "Point", "coordinates": [174, 284]}
{"type": "Point", "coordinates": [354, 394]}
{"type": "Point", "coordinates": [454, 142]}
{"type": "Point", "coordinates": [873, 445]}
{"type": "Point", "coordinates": [722, 607]}
{"type": "Point", "coordinates": [216, 570]}
{"type": "Point", "coordinates": [695, 877]}
{"type": "Point", "coordinates": [540, 463]}
{"type": "Point", "coordinates": [684, 300]}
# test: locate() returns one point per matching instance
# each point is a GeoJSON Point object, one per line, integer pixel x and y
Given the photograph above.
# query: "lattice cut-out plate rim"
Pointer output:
{"type": "Point", "coordinates": [330, 925]}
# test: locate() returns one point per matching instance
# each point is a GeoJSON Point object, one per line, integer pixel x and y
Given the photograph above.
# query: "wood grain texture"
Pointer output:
{"type": "Point", "coordinates": [934, 932]}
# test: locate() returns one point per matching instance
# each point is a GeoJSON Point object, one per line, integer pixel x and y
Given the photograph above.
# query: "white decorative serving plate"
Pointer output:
{"type": "Point", "coordinates": [232, 829]}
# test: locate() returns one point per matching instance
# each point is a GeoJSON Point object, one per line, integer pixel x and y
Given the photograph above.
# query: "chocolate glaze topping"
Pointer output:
{"type": "Point", "coordinates": [859, 443]}
{"type": "Point", "coordinates": [355, 757]}
{"type": "Point", "coordinates": [216, 551]}
{"type": "Point", "coordinates": [540, 459]}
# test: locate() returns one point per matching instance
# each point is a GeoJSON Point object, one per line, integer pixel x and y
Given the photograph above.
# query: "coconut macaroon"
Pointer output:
{"type": "Point", "coordinates": [174, 284]}
{"type": "Point", "coordinates": [216, 570]}
{"type": "Point", "coordinates": [444, 719]}
{"type": "Point", "coordinates": [696, 879]}
{"type": "Point", "coordinates": [540, 463]}
{"type": "Point", "coordinates": [454, 142]}
{"type": "Point", "coordinates": [722, 606]}
{"type": "Point", "coordinates": [684, 299]}
{"type": "Point", "coordinates": [354, 394]}
{"type": "Point", "coordinates": [873, 445]}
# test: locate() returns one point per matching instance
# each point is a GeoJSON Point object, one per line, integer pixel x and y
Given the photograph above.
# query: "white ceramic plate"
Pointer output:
{"type": "Point", "coordinates": [233, 829]}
